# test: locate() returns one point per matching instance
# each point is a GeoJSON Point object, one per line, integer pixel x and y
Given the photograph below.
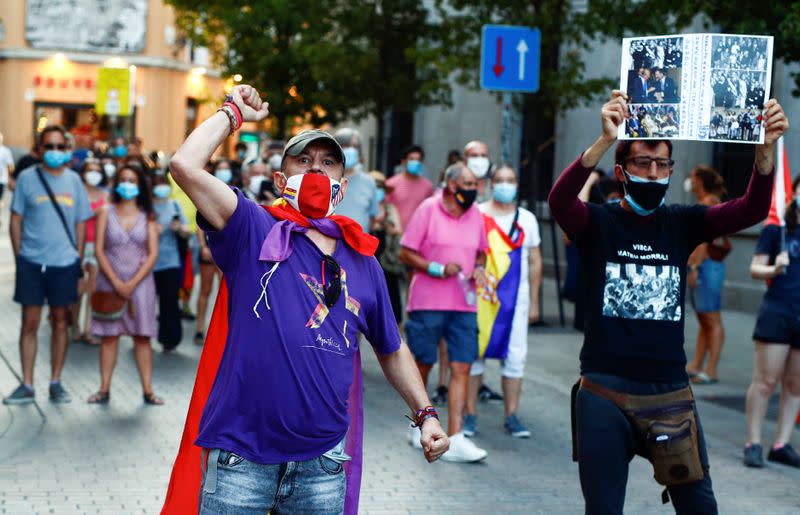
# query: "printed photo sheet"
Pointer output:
{"type": "Point", "coordinates": [701, 87]}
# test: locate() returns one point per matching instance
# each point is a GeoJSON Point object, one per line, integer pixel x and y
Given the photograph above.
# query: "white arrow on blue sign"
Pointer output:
{"type": "Point", "coordinates": [510, 58]}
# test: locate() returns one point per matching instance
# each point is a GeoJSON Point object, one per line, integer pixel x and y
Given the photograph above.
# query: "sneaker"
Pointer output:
{"type": "Point", "coordinates": [754, 456]}
{"type": "Point", "coordinates": [22, 395]}
{"type": "Point", "coordinates": [58, 394]}
{"type": "Point", "coordinates": [186, 314]}
{"type": "Point", "coordinates": [515, 428]}
{"type": "Point", "coordinates": [414, 434]}
{"type": "Point", "coordinates": [487, 394]}
{"type": "Point", "coordinates": [470, 426]}
{"type": "Point", "coordinates": [786, 455]}
{"type": "Point", "coordinates": [463, 450]}
{"type": "Point", "coordinates": [440, 397]}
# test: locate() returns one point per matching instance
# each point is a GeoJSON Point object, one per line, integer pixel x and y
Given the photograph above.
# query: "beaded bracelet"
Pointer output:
{"type": "Point", "coordinates": [422, 415]}
{"type": "Point", "coordinates": [231, 117]}
{"type": "Point", "coordinates": [236, 112]}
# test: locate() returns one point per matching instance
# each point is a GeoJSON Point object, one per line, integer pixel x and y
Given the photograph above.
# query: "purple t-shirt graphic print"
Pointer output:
{"type": "Point", "coordinates": [282, 386]}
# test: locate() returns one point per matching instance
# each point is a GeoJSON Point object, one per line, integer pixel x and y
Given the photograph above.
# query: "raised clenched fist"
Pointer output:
{"type": "Point", "coordinates": [249, 103]}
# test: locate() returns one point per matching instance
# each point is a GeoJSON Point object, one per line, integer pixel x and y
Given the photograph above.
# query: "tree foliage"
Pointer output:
{"type": "Point", "coordinates": [319, 61]}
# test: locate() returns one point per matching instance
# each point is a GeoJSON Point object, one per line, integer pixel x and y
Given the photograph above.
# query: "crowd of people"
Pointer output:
{"type": "Point", "coordinates": [739, 89]}
{"type": "Point", "coordinates": [648, 121]}
{"type": "Point", "coordinates": [735, 124]}
{"type": "Point", "coordinates": [656, 53]}
{"type": "Point", "coordinates": [314, 253]}
{"type": "Point", "coordinates": [739, 53]}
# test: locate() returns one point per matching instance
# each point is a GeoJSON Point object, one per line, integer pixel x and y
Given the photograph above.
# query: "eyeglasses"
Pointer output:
{"type": "Point", "coordinates": [331, 280]}
{"type": "Point", "coordinates": [54, 146]}
{"type": "Point", "coordinates": [644, 162]}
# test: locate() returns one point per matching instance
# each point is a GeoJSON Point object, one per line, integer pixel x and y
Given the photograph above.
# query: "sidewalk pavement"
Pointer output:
{"type": "Point", "coordinates": [77, 458]}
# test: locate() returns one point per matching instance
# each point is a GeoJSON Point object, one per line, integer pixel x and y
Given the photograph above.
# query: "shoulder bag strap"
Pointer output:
{"type": "Point", "coordinates": [56, 206]}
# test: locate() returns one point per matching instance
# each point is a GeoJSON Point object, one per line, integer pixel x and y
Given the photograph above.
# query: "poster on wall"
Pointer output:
{"type": "Point", "coordinates": [701, 87]}
{"type": "Point", "coordinates": [106, 26]}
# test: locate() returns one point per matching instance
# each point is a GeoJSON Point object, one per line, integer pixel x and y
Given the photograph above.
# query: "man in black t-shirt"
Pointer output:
{"type": "Point", "coordinates": [633, 260]}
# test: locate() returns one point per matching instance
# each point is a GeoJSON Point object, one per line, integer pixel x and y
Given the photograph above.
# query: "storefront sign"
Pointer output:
{"type": "Point", "coordinates": [114, 91]}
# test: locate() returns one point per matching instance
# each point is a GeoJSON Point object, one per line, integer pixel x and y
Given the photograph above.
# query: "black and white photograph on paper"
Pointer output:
{"type": "Point", "coordinates": [642, 292]}
{"type": "Point", "coordinates": [676, 83]}
{"type": "Point", "coordinates": [658, 52]}
{"type": "Point", "coordinates": [87, 25]}
{"type": "Point", "coordinates": [730, 124]}
{"type": "Point", "coordinates": [735, 88]}
{"type": "Point", "coordinates": [653, 121]}
{"type": "Point", "coordinates": [739, 52]}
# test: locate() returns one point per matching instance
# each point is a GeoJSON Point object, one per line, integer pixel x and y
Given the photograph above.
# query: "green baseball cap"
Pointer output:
{"type": "Point", "coordinates": [298, 143]}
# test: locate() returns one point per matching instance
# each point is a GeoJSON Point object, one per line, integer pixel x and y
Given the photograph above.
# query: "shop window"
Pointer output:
{"type": "Point", "coordinates": [192, 106]}
{"type": "Point", "coordinates": [734, 162]}
{"type": "Point", "coordinates": [81, 119]}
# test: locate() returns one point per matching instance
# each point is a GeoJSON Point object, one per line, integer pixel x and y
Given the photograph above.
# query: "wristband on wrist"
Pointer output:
{"type": "Point", "coordinates": [232, 125]}
{"type": "Point", "coordinates": [236, 112]}
{"type": "Point", "coordinates": [436, 269]}
{"type": "Point", "coordinates": [422, 415]}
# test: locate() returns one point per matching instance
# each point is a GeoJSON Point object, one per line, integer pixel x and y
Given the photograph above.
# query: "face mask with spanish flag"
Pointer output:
{"type": "Point", "coordinates": [314, 195]}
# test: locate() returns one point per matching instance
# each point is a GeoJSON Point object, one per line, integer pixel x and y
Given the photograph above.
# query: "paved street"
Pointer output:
{"type": "Point", "coordinates": [78, 458]}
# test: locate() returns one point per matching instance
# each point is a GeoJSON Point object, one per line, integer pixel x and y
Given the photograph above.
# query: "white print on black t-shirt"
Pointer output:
{"type": "Point", "coordinates": [642, 292]}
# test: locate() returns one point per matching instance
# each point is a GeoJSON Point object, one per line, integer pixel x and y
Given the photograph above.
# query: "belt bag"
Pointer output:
{"type": "Point", "coordinates": [667, 424]}
{"type": "Point", "coordinates": [108, 305]}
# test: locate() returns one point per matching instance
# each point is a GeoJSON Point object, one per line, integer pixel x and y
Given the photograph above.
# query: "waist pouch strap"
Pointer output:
{"type": "Point", "coordinates": [573, 419]}
{"type": "Point", "coordinates": [667, 424]}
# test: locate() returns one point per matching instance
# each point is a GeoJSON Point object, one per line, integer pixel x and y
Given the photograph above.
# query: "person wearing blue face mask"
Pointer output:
{"type": "Point", "coordinates": [361, 201]}
{"type": "Point", "coordinates": [48, 251]}
{"type": "Point", "coordinates": [524, 275]}
{"type": "Point", "coordinates": [223, 172]}
{"type": "Point", "coordinates": [172, 225]}
{"type": "Point", "coordinates": [633, 258]}
{"type": "Point", "coordinates": [127, 250]}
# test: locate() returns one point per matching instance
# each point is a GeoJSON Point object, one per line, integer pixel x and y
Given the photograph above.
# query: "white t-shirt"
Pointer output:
{"type": "Point", "coordinates": [530, 226]}
{"type": "Point", "coordinates": [6, 160]}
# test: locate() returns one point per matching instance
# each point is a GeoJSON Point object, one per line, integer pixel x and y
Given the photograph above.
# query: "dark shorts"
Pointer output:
{"type": "Point", "coordinates": [37, 285]}
{"type": "Point", "coordinates": [777, 326]}
{"type": "Point", "coordinates": [424, 329]}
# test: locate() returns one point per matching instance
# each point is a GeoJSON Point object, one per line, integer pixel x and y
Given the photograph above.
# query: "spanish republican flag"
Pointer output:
{"type": "Point", "coordinates": [497, 301]}
{"type": "Point", "coordinates": [782, 191]}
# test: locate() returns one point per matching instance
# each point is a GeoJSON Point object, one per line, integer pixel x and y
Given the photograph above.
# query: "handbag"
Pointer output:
{"type": "Point", "coordinates": [109, 305]}
{"type": "Point", "coordinates": [719, 249]}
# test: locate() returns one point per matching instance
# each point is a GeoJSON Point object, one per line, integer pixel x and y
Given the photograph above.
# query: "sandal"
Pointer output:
{"type": "Point", "coordinates": [152, 399]}
{"type": "Point", "coordinates": [703, 378]}
{"type": "Point", "coordinates": [100, 397]}
{"type": "Point", "coordinates": [199, 339]}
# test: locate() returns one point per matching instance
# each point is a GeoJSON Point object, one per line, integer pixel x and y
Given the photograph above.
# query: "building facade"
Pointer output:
{"type": "Point", "coordinates": [51, 52]}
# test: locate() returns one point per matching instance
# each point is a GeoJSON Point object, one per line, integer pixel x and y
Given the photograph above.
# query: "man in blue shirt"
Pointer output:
{"type": "Point", "coordinates": [48, 255]}
{"type": "Point", "coordinates": [361, 202]}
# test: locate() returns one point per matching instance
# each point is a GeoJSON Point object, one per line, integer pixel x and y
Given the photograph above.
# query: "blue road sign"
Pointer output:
{"type": "Point", "coordinates": [510, 58]}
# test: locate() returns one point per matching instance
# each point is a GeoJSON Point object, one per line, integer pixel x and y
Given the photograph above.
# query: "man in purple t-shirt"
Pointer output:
{"type": "Point", "coordinates": [276, 419]}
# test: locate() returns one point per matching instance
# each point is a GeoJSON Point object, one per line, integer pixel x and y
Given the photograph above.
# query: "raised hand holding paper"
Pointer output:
{"type": "Point", "coordinates": [702, 87]}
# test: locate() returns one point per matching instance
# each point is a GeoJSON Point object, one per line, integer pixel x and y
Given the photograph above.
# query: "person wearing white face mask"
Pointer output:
{"type": "Point", "coordinates": [361, 203]}
{"type": "Point", "coordinates": [476, 155]}
{"type": "Point", "coordinates": [95, 181]}
{"type": "Point", "coordinates": [517, 305]}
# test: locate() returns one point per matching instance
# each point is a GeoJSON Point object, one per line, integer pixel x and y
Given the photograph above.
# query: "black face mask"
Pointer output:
{"type": "Point", "coordinates": [643, 195]}
{"type": "Point", "coordinates": [465, 198]}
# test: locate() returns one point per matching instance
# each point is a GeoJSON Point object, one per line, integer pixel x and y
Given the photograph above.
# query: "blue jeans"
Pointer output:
{"type": "Point", "coordinates": [607, 443]}
{"type": "Point", "coordinates": [707, 297]}
{"type": "Point", "coordinates": [233, 485]}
